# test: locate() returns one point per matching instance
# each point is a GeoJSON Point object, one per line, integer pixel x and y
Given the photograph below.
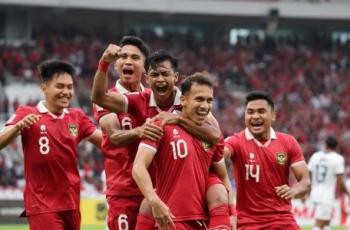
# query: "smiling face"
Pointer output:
{"type": "Point", "coordinates": [197, 103]}
{"type": "Point", "coordinates": [130, 65]}
{"type": "Point", "coordinates": [58, 92]}
{"type": "Point", "coordinates": [162, 79]}
{"type": "Point", "coordinates": [258, 118]}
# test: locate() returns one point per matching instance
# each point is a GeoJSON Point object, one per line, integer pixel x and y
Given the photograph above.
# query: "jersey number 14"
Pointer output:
{"type": "Point", "coordinates": [250, 172]}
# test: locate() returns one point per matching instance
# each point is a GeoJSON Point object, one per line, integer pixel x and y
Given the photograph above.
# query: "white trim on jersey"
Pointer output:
{"type": "Point", "coordinates": [122, 90]}
{"type": "Point", "coordinates": [249, 136]}
{"type": "Point", "coordinates": [220, 161]}
{"type": "Point", "coordinates": [42, 109]}
{"type": "Point", "coordinates": [295, 164]}
{"type": "Point", "coordinates": [126, 103]}
{"type": "Point", "coordinates": [154, 150]}
{"type": "Point", "coordinates": [177, 101]}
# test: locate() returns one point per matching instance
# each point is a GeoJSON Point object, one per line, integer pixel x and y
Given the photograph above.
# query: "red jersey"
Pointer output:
{"type": "Point", "coordinates": [258, 169]}
{"type": "Point", "coordinates": [181, 170]}
{"type": "Point", "coordinates": [50, 158]}
{"type": "Point", "coordinates": [119, 159]}
{"type": "Point", "coordinates": [143, 105]}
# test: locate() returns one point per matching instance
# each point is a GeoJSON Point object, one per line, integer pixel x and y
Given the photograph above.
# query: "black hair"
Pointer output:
{"type": "Point", "coordinates": [48, 69]}
{"type": "Point", "coordinates": [257, 95]}
{"type": "Point", "coordinates": [331, 142]}
{"type": "Point", "coordinates": [158, 57]}
{"type": "Point", "coordinates": [135, 41]}
{"type": "Point", "coordinates": [199, 78]}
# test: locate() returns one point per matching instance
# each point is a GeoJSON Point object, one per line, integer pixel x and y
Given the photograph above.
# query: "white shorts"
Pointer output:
{"type": "Point", "coordinates": [323, 211]}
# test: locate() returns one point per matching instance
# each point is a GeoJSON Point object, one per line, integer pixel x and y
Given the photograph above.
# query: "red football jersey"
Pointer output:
{"type": "Point", "coordinates": [50, 158]}
{"type": "Point", "coordinates": [119, 159]}
{"type": "Point", "coordinates": [258, 169]}
{"type": "Point", "coordinates": [143, 105]}
{"type": "Point", "coordinates": [181, 170]}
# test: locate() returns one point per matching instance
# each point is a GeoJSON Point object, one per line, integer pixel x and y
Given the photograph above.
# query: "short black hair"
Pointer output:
{"type": "Point", "coordinates": [331, 142]}
{"type": "Point", "coordinates": [135, 41]}
{"type": "Point", "coordinates": [48, 69]}
{"type": "Point", "coordinates": [199, 78]}
{"type": "Point", "coordinates": [257, 95]}
{"type": "Point", "coordinates": [158, 57]}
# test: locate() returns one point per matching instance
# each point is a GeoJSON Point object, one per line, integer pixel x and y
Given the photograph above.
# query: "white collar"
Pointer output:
{"type": "Point", "coordinates": [42, 109]}
{"type": "Point", "coordinates": [177, 101]}
{"type": "Point", "coordinates": [249, 136]}
{"type": "Point", "coordinates": [122, 90]}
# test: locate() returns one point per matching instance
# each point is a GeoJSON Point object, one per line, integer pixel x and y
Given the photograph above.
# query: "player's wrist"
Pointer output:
{"type": "Point", "coordinates": [103, 65]}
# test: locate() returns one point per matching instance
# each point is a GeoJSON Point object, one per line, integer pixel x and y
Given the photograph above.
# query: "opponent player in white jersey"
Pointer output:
{"type": "Point", "coordinates": [326, 170]}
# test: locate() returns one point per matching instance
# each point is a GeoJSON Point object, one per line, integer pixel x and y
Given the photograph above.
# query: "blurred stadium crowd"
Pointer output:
{"type": "Point", "coordinates": [309, 81]}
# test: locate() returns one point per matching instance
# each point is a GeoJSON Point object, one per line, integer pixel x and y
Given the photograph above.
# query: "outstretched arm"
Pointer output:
{"type": "Point", "coordinates": [119, 136]}
{"type": "Point", "coordinates": [209, 131]}
{"type": "Point", "coordinates": [12, 131]}
{"type": "Point", "coordinates": [109, 100]}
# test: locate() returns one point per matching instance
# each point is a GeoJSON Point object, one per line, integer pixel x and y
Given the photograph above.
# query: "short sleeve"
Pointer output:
{"type": "Point", "coordinates": [311, 163]}
{"type": "Point", "coordinates": [295, 151]}
{"type": "Point", "coordinates": [340, 167]}
{"type": "Point", "coordinates": [219, 150]}
{"type": "Point", "coordinates": [232, 144]}
{"type": "Point", "coordinates": [20, 113]}
{"type": "Point", "coordinates": [154, 145]}
{"type": "Point", "coordinates": [86, 126]}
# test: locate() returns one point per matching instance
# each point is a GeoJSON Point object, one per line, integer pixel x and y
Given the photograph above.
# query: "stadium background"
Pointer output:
{"type": "Point", "coordinates": [298, 50]}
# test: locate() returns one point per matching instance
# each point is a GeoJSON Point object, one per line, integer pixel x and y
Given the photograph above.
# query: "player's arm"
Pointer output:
{"type": "Point", "coordinates": [341, 184]}
{"type": "Point", "coordinates": [209, 131]}
{"type": "Point", "coordinates": [221, 171]}
{"type": "Point", "coordinates": [160, 210]}
{"type": "Point", "coordinates": [12, 131]}
{"type": "Point", "coordinates": [112, 101]}
{"type": "Point", "coordinates": [95, 138]}
{"type": "Point", "coordinates": [110, 124]}
{"type": "Point", "coordinates": [301, 188]}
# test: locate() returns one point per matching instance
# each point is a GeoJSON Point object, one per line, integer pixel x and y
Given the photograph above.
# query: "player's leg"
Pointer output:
{"type": "Point", "coordinates": [71, 219]}
{"type": "Point", "coordinates": [43, 220]}
{"type": "Point", "coordinates": [122, 212]}
{"type": "Point", "coordinates": [145, 220]}
{"type": "Point", "coordinates": [217, 202]}
{"type": "Point", "coordinates": [322, 215]}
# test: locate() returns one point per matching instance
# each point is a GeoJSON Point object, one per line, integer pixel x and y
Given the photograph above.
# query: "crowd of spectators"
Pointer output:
{"type": "Point", "coordinates": [309, 81]}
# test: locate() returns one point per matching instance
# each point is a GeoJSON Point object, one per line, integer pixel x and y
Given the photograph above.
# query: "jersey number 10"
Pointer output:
{"type": "Point", "coordinates": [179, 148]}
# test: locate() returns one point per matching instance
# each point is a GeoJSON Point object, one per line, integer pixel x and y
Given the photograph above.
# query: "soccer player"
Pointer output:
{"type": "Point", "coordinates": [50, 134]}
{"type": "Point", "coordinates": [182, 164]}
{"type": "Point", "coordinates": [262, 159]}
{"type": "Point", "coordinates": [327, 170]}
{"type": "Point", "coordinates": [121, 135]}
{"type": "Point", "coordinates": [161, 76]}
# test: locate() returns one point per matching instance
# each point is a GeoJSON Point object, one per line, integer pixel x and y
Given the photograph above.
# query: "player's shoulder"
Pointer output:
{"type": "Point", "coordinates": [286, 138]}
{"type": "Point", "coordinates": [27, 109]}
{"type": "Point", "coordinates": [336, 156]}
{"type": "Point", "coordinates": [236, 136]}
{"type": "Point", "coordinates": [76, 111]}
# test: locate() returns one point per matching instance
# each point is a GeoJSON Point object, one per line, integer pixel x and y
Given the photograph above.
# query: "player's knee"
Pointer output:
{"type": "Point", "coordinates": [216, 196]}
{"type": "Point", "coordinates": [145, 207]}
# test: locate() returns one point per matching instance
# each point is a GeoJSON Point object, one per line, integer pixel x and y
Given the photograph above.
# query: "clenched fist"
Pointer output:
{"type": "Point", "coordinates": [111, 53]}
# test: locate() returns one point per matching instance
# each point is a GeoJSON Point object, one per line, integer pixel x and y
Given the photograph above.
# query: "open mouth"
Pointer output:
{"type": "Point", "coordinates": [128, 72]}
{"type": "Point", "coordinates": [161, 89]}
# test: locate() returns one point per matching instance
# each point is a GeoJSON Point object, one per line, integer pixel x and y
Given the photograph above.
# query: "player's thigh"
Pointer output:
{"type": "Point", "coordinates": [323, 211]}
{"type": "Point", "coordinates": [43, 220]}
{"type": "Point", "coordinates": [216, 192]}
{"type": "Point", "coordinates": [71, 219]}
{"type": "Point", "coordinates": [122, 212]}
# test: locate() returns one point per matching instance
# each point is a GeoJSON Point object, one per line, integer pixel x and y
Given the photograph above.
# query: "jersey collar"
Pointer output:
{"type": "Point", "coordinates": [249, 136]}
{"type": "Point", "coordinates": [42, 109]}
{"type": "Point", "coordinates": [122, 90]}
{"type": "Point", "coordinates": [177, 101]}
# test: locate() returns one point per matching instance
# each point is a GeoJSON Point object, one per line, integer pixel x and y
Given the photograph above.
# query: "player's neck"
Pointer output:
{"type": "Point", "coordinates": [164, 103]}
{"type": "Point", "coordinates": [131, 87]}
{"type": "Point", "coordinates": [53, 109]}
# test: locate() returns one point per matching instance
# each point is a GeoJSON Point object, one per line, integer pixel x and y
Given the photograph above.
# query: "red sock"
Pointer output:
{"type": "Point", "coordinates": [219, 218]}
{"type": "Point", "coordinates": [144, 222]}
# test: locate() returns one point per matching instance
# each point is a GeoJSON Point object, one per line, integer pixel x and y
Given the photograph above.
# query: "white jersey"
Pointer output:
{"type": "Point", "coordinates": [324, 168]}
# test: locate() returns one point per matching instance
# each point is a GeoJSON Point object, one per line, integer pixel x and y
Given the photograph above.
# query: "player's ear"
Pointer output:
{"type": "Point", "coordinates": [43, 87]}
{"type": "Point", "coordinates": [273, 116]}
{"type": "Point", "coordinates": [176, 76]}
{"type": "Point", "coordinates": [183, 100]}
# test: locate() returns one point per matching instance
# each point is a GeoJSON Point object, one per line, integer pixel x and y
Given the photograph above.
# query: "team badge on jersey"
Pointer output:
{"type": "Point", "coordinates": [281, 158]}
{"type": "Point", "coordinates": [73, 130]}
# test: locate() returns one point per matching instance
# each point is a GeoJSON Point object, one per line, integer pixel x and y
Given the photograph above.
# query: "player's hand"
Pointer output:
{"type": "Point", "coordinates": [111, 54]}
{"type": "Point", "coordinates": [168, 118]}
{"type": "Point", "coordinates": [285, 192]}
{"type": "Point", "coordinates": [149, 131]}
{"type": "Point", "coordinates": [162, 214]}
{"type": "Point", "coordinates": [27, 121]}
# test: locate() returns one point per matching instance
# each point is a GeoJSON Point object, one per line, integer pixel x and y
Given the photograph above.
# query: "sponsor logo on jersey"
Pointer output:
{"type": "Point", "coordinates": [281, 158]}
{"type": "Point", "coordinates": [176, 133]}
{"type": "Point", "coordinates": [73, 130]}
